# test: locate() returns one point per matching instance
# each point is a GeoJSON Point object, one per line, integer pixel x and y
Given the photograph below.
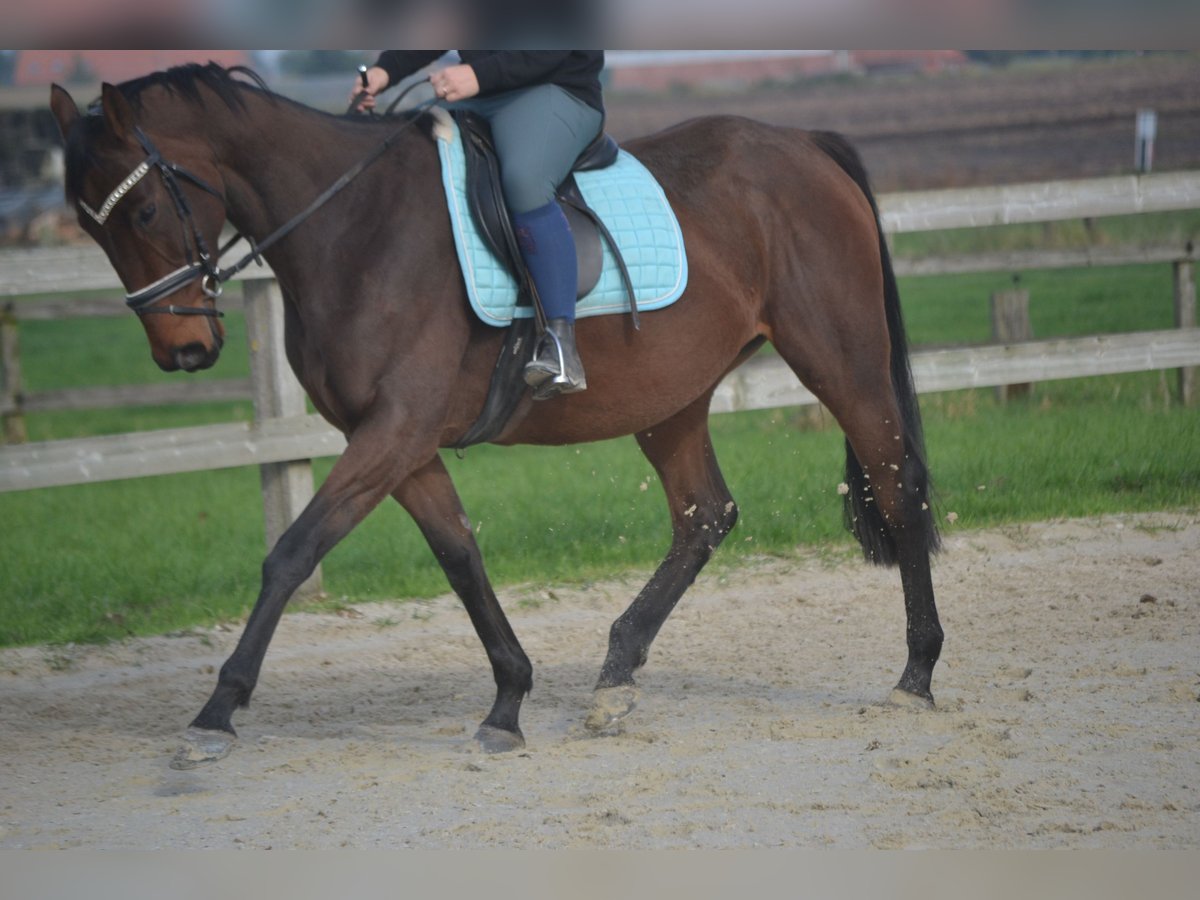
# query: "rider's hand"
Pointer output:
{"type": "Point", "coordinates": [455, 83]}
{"type": "Point", "coordinates": [377, 81]}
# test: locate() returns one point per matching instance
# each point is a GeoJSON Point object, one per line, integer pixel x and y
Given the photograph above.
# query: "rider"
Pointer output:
{"type": "Point", "coordinates": [544, 108]}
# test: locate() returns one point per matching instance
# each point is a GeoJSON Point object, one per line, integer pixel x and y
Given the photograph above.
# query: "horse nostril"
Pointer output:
{"type": "Point", "coordinates": [195, 356]}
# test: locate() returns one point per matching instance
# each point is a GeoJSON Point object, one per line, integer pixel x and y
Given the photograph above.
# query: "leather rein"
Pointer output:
{"type": "Point", "coordinates": [203, 266]}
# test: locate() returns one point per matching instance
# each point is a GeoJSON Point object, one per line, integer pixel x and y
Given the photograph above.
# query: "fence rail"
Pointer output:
{"type": "Point", "coordinates": [283, 438]}
{"type": "Point", "coordinates": [216, 390]}
{"type": "Point", "coordinates": [76, 266]}
{"type": "Point", "coordinates": [1039, 202]}
{"type": "Point", "coordinates": [763, 383]}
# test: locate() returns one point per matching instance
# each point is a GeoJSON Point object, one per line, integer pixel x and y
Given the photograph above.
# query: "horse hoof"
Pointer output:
{"type": "Point", "coordinates": [909, 700]}
{"type": "Point", "coordinates": [202, 747]}
{"type": "Point", "coordinates": [609, 706]}
{"type": "Point", "coordinates": [497, 740]}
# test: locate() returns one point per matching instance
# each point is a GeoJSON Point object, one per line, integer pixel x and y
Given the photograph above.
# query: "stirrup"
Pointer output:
{"type": "Point", "coordinates": [549, 372]}
{"type": "Point", "coordinates": [539, 370]}
{"type": "Point", "coordinates": [556, 387]}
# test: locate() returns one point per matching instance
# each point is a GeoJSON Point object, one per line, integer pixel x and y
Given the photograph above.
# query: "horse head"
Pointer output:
{"type": "Point", "coordinates": [153, 200]}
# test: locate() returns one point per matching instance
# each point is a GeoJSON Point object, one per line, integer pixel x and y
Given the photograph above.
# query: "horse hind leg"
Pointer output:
{"type": "Point", "coordinates": [702, 514]}
{"type": "Point", "coordinates": [868, 390]}
{"type": "Point", "coordinates": [887, 508]}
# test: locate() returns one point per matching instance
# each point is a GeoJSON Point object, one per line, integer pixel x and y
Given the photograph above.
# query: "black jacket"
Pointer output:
{"type": "Point", "coordinates": [577, 71]}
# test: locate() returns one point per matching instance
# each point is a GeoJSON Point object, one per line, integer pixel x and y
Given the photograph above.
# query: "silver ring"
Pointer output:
{"type": "Point", "coordinates": [211, 286]}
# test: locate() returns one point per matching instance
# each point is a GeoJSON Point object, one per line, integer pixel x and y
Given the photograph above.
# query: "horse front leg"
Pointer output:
{"type": "Point", "coordinates": [369, 469]}
{"type": "Point", "coordinates": [430, 498]}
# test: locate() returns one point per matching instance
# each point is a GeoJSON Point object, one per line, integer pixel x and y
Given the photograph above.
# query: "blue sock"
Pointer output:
{"type": "Point", "coordinates": [549, 251]}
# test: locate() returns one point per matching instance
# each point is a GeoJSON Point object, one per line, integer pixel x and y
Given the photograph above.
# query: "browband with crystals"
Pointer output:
{"type": "Point", "coordinates": [121, 190]}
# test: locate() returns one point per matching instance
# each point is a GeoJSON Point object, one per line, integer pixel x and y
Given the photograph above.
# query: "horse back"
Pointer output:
{"type": "Point", "coordinates": [738, 184]}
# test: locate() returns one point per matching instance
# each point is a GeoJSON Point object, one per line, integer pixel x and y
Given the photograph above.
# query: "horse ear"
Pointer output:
{"type": "Point", "coordinates": [118, 114]}
{"type": "Point", "coordinates": [64, 109]}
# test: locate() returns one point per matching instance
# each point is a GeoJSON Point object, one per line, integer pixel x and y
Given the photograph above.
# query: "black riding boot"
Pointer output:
{"type": "Point", "coordinates": [556, 367]}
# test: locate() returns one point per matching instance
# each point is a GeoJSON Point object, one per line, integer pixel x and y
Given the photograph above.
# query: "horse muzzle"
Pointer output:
{"type": "Point", "coordinates": [190, 357]}
{"type": "Point", "coordinates": [195, 356]}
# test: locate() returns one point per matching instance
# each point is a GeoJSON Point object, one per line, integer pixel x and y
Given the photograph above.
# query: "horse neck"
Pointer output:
{"type": "Point", "coordinates": [276, 157]}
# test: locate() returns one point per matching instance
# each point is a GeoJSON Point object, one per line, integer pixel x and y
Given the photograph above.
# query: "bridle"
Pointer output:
{"type": "Point", "coordinates": [199, 265]}
{"type": "Point", "coordinates": [203, 266]}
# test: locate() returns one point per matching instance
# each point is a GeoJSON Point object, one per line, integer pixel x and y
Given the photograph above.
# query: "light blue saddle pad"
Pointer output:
{"type": "Point", "coordinates": [632, 205]}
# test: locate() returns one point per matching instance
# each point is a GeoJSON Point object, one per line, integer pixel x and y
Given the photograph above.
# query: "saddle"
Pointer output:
{"type": "Point", "coordinates": [486, 202]}
{"type": "Point", "coordinates": [488, 209]}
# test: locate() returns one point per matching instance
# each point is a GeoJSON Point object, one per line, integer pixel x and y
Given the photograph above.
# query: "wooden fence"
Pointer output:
{"type": "Point", "coordinates": [283, 438]}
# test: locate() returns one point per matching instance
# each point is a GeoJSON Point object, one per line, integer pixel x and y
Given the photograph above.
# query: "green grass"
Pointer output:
{"type": "Point", "coordinates": [99, 561]}
{"type": "Point", "coordinates": [102, 561]}
{"type": "Point", "coordinates": [950, 310]}
{"type": "Point", "coordinates": [1063, 302]}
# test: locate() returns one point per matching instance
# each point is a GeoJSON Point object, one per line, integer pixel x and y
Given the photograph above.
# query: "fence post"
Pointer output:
{"type": "Point", "coordinates": [10, 379]}
{"type": "Point", "coordinates": [1011, 325]}
{"type": "Point", "coordinates": [286, 486]}
{"type": "Point", "coordinates": [1185, 317]}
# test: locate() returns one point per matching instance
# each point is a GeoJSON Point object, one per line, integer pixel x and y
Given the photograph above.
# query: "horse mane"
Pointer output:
{"type": "Point", "coordinates": [185, 81]}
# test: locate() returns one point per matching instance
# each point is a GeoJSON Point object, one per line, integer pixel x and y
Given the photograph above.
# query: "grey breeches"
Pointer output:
{"type": "Point", "coordinates": [538, 133]}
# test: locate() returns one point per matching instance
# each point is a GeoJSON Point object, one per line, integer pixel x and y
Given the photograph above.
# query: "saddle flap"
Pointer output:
{"type": "Point", "coordinates": [484, 196]}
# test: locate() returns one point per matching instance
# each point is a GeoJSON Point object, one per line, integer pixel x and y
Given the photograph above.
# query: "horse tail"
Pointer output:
{"type": "Point", "coordinates": [862, 516]}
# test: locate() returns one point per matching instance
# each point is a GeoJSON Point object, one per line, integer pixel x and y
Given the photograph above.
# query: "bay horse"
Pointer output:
{"type": "Point", "coordinates": [783, 243]}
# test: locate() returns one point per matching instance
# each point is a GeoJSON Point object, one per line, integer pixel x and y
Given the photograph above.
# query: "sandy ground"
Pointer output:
{"type": "Point", "coordinates": [1067, 716]}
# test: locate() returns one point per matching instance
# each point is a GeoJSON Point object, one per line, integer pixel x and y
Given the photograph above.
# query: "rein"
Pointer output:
{"type": "Point", "coordinates": [204, 266]}
{"type": "Point", "coordinates": [282, 231]}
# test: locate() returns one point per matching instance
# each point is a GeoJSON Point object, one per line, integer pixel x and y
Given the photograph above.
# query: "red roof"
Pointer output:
{"type": "Point", "coordinates": [36, 67]}
{"type": "Point", "coordinates": [929, 61]}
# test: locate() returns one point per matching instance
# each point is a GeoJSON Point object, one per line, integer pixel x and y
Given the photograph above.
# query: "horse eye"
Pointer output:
{"type": "Point", "coordinates": [146, 213]}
